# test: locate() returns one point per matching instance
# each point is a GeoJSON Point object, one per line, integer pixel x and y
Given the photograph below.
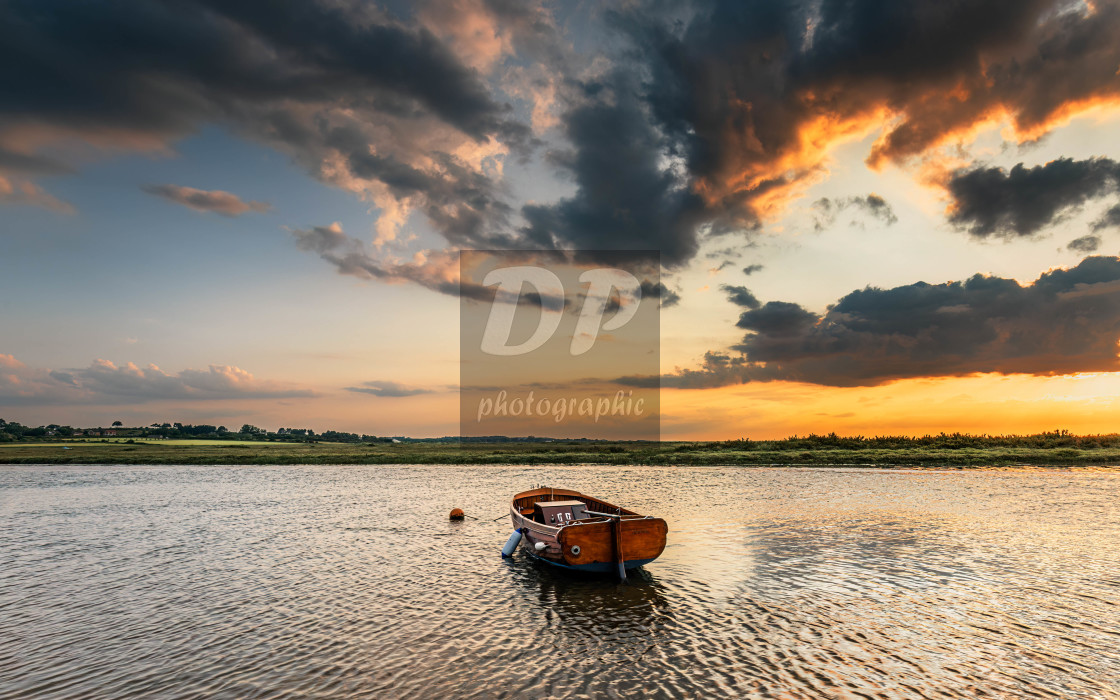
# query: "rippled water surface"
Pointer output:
{"type": "Point", "coordinates": [244, 582]}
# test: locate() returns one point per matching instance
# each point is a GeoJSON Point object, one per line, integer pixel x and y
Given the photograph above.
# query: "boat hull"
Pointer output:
{"type": "Point", "coordinates": [592, 568]}
{"type": "Point", "coordinates": [591, 544]}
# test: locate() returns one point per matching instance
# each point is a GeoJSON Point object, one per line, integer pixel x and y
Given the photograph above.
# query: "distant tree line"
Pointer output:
{"type": "Point", "coordinates": [11, 431]}
{"type": "Point", "coordinates": [945, 441]}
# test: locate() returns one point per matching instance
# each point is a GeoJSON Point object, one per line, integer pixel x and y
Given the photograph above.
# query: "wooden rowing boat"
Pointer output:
{"type": "Point", "coordinates": [568, 529]}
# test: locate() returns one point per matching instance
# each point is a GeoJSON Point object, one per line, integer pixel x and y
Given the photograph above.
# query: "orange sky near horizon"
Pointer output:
{"type": "Point", "coordinates": [987, 403]}
{"type": "Point", "coordinates": [1086, 404]}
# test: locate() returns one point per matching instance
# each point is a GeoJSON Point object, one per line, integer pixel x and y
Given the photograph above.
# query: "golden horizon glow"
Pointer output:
{"type": "Point", "coordinates": [992, 404]}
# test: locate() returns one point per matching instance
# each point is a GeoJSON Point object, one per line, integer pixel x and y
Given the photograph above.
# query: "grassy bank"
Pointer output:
{"type": "Point", "coordinates": [903, 452]}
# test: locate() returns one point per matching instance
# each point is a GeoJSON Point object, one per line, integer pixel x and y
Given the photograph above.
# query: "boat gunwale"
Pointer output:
{"type": "Point", "coordinates": [554, 531]}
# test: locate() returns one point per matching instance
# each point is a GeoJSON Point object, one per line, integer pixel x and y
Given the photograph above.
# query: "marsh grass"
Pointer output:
{"type": "Point", "coordinates": [1046, 449]}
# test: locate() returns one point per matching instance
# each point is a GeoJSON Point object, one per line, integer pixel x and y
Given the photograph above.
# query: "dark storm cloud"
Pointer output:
{"type": "Point", "coordinates": [694, 122]}
{"type": "Point", "coordinates": [1066, 321]}
{"type": "Point", "coordinates": [729, 252]}
{"type": "Point", "coordinates": [625, 200]}
{"type": "Point", "coordinates": [387, 389]}
{"type": "Point", "coordinates": [777, 319]}
{"type": "Point", "coordinates": [155, 66]}
{"type": "Point", "coordinates": [990, 201]}
{"type": "Point", "coordinates": [877, 207]}
{"type": "Point", "coordinates": [667, 297]}
{"type": "Point", "coordinates": [740, 296]}
{"type": "Point", "coordinates": [716, 370]}
{"type": "Point", "coordinates": [872, 204]}
{"type": "Point", "coordinates": [329, 83]}
{"type": "Point", "coordinates": [1111, 219]}
{"type": "Point", "coordinates": [747, 91]}
{"type": "Point", "coordinates": [1084, 244]}
{"type": "Point", "coordinates": [738, 101]}
{"type": "Point", "coordinates": [217, 201]}
{"type": "Point", "coordinates": [751, 269]}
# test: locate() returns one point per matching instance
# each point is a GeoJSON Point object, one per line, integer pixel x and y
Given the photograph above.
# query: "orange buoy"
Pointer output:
{"type": "Point", "coordinates": [457, 514]}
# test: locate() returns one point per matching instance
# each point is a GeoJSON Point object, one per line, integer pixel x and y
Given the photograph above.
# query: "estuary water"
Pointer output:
{"type": "Point", "coordinates": [349, 581]}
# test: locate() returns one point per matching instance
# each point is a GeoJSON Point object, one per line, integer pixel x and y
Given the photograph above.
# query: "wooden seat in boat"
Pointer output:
{"type": "Point", "coordinates": [559, 512]}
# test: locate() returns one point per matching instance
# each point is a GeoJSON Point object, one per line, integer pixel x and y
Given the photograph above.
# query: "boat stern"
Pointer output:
{"type": "Point", "coordinates": [591, 545]}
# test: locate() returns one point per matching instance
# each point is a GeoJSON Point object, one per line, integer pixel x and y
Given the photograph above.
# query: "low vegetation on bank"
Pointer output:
{"type": "Point", "coordinates": [1058, 448]}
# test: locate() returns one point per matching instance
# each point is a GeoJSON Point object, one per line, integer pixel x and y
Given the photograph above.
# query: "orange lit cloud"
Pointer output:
{"type": "Point", "coordinates": [10, 362]}
{"type": "Point", "coordinates": [767, 179]}
{"type": "Point", "coordinates": [760, 99]}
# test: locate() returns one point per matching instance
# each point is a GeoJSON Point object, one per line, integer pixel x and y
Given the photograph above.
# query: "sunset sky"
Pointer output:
{"type": "Point", "coordinates": [873, 216]}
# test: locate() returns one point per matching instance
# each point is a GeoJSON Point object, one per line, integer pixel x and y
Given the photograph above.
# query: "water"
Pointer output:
{"type": "Point", "coordinates": [244, 582]}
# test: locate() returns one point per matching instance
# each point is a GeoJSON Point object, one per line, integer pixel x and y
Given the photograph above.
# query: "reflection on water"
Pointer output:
{"type": "Point", "coordinates": [349, 581]}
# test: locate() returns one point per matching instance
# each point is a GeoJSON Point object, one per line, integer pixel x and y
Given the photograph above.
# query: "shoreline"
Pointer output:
{"type": "Point", "coordinates": [511, 454]}
{"type": "Point", "coordinates": [899, 468]}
